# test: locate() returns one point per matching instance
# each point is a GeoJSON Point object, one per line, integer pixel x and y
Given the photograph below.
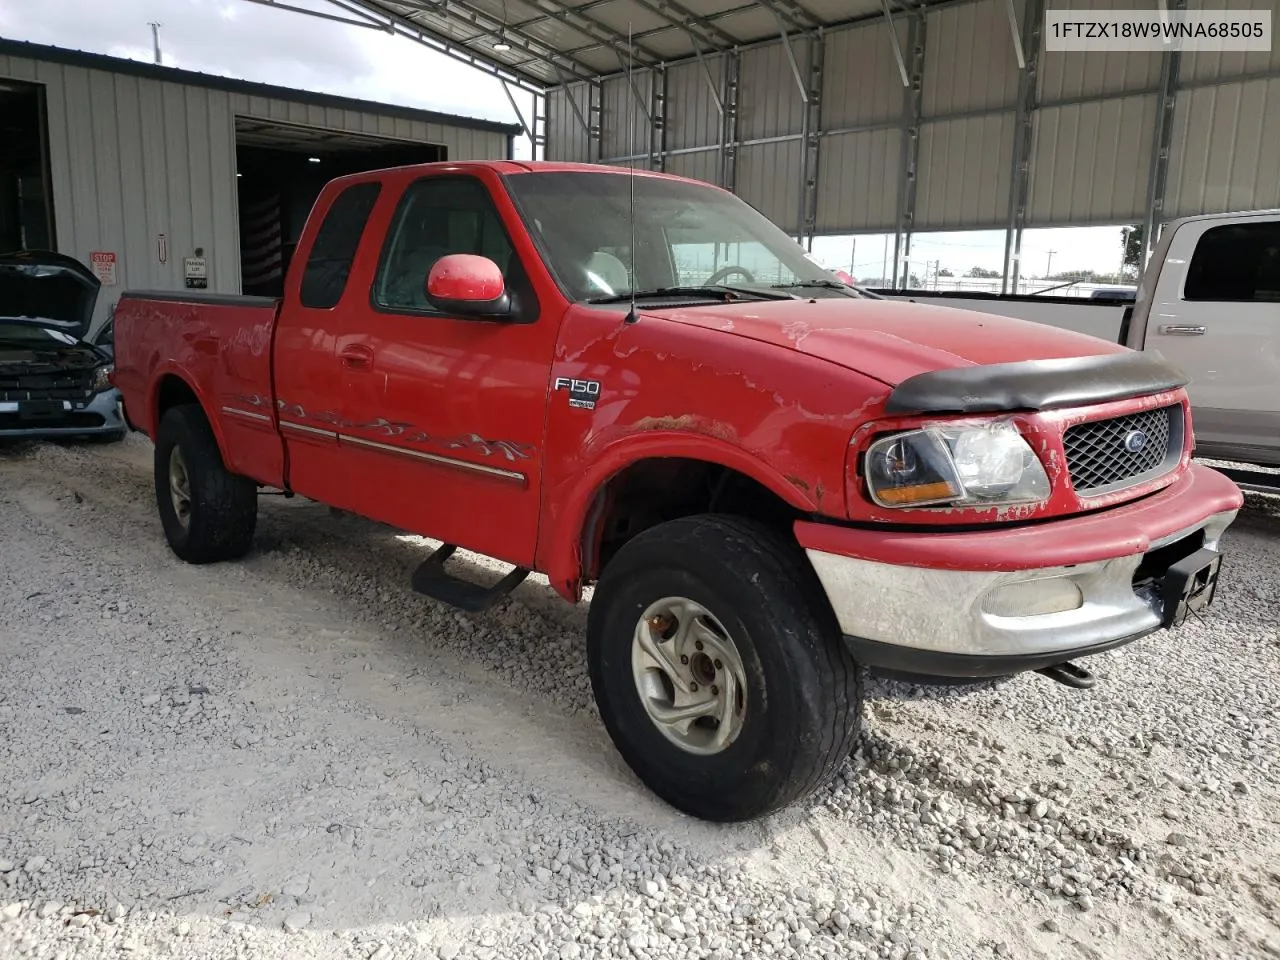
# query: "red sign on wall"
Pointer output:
{"type": "Point", "coordinates": [103, 264]}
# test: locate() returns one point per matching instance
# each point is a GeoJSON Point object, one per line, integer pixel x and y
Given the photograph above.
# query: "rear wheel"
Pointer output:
{"type": "Point", "coordinates": [208, 513]}
{"type": "Point", "coordinates": [719, 669]}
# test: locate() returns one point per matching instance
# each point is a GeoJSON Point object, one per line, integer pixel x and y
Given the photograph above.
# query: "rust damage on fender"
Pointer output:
{"type": "Point", "coordinates": [690, 422]}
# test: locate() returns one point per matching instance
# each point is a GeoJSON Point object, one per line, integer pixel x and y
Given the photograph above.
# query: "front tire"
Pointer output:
{"type": "Point", "coordinates": [719, 668]}
{"type": "Point", "coordinates": [208, 513]}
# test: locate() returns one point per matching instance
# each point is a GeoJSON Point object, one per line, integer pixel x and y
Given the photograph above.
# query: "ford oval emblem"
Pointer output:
{"type": "Point", "coordinates": [1135, 441]}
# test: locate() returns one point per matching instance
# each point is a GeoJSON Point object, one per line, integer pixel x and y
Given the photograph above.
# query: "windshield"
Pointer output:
{"type": "Point", "coordinates": [686, 235]}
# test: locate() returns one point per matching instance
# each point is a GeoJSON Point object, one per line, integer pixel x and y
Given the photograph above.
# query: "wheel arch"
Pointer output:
{"type": "Point", "coordinates": [173, 387]}
{"type": "Point", "coordinates": [579, 542]}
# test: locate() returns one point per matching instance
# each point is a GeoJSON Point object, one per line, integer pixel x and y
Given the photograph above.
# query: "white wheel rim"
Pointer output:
{"type": "Point", "coordinates": [180, 486]}
{"type": "Point", "coordinates": [689, 676]}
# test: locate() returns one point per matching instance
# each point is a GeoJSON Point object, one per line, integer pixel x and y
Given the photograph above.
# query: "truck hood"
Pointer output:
{"type": "Point", "coordinates": [890, 340]}
{"type": "Point", "coordinates": [47, 289]}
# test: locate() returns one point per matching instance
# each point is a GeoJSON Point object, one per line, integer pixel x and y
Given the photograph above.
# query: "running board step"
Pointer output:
{"type": "Point", "coordinates": [431, 580]}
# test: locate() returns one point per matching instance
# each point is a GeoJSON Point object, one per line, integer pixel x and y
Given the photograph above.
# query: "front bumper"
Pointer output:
{"type": "Point", "coordinates": [998, 601]}
{"type": "Point", "coordinates": [100, 414]}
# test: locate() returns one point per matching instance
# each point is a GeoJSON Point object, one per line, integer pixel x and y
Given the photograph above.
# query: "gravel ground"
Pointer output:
{"type": "Point", "coordinates": [295, 756]}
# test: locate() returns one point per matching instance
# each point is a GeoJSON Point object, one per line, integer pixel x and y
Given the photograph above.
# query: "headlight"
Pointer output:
{"type": "Point", "coordinates": [956, 466]}
{"type": "Point", "coordinates": [101, 378]}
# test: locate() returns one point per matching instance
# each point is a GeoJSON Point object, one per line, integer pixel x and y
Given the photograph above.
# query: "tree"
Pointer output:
{"type": "Point", "coordinates": [944, 272]}
{"type": "Point", "coordinates": [1133, 246]}
{"type": "Point", "coordinates": [984, 274]}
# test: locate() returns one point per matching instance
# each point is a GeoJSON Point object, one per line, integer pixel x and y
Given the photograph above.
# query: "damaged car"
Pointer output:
{"type": "Point", "coordinates": [54, 382]}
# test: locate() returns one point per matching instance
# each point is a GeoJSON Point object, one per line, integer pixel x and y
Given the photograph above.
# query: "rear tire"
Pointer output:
{"type": "Point", "coordinates": [802, 710]}
{"type": "Point", "coordinates": [208, 514]}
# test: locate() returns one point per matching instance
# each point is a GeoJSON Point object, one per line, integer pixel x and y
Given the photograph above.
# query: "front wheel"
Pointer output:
{"type": "Point", "coordinates": [719, 669]}
{"type": "Point", "coordinates": [208, 513]}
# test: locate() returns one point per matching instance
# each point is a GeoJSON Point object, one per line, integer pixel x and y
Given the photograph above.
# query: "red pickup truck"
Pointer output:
{"type": "Point", "coordinates": [637, 381]}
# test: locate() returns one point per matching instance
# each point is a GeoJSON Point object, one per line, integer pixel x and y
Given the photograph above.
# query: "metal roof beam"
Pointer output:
{"type": "Point", "coordinates": [528, 130]}
{"type": "Point", "coordinates": [635, 91]}
{"type": "Point", "coordinates": [602, 34]}
{"type": "Point", "coordinates": [361, 19]}
{"type": "Point", "coordinates": [554, 10]}
{"type": "Point", "coordinates": [559, 13]}
{"type": "Point", "coordinates": [689, 22]}
{"type": "Point", "coordinates": [677, 17]}
{"type": "Point", "coordinates": [488, 26]}
{"type": "Point", "coordinates": [792, 13]}
{"type": "Point", "coordinates": [791, 57]}
{"type": "Point", "coordinates": [402, 26]}
{"type": "Point", "coordinates": [711, 84]}
{"type": "Point", "coordinates": [573, 102]}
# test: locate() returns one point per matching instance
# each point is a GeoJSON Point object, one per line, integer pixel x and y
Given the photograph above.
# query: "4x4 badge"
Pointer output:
{"type": "Point", "coordinates": [582, 393]}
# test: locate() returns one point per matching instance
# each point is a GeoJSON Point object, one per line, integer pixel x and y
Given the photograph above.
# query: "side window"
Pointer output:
{"type": "Point", "coordinates": [438, 216]}
{"type": "Point", "coordinates": [1236, 262]}
{"type": "Point", "coordinates": [329, 264]}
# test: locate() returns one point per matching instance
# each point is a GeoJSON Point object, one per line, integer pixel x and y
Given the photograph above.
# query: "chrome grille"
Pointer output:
{"type": "Point", "coordinates": [1101, 453]}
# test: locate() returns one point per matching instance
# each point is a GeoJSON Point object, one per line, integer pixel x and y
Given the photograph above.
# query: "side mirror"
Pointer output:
{"type": "Point", "coordinates": [469, 286]}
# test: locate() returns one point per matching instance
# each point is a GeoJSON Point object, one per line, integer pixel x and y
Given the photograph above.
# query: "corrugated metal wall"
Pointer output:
{"type": "Point", "coordinates": [1094, 123]}
{"type": "Point", "coordinates": [1222, 157]}
{"type": "Point", "coordinates": [1077, 76]}
{"type": "Point", "coordinates": [132, 158]}
{"type": "Point", "coordinates": [1090, 161]}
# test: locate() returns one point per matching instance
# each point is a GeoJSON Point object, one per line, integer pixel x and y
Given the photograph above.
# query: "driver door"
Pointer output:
{"type": "Point", "coordinates": [443, 416]}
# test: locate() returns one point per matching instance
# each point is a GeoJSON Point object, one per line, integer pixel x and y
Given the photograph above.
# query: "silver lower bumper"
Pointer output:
{"type": "Point", "coordinates": [1007, 615]}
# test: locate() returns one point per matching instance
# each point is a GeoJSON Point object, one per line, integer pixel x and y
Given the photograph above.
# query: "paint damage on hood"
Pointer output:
{"type": "Point", "coordinates": [890, 340]}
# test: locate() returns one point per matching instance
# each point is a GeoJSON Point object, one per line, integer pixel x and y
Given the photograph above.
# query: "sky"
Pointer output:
{"type": "Point", "coordinates": [250, 41]}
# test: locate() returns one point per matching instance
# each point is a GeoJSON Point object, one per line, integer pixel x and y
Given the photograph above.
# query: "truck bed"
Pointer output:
{"type": "Point", "coordinates": [220, 342]}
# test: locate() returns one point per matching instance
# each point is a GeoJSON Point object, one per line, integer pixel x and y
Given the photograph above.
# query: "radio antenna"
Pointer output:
{"type": "Point", "coordinates": [631, 316]}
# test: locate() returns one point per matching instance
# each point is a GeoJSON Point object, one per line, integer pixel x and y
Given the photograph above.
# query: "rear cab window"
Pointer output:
{"type": "Point", "coordinates": [329, 264]}
{"type": "Point", "coordinates": [1236, 262]}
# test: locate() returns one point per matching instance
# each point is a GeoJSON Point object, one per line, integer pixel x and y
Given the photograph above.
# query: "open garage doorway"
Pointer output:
{"type": "Point", "coordinates": [26, 210]}
{"type": "Point", "coordinates": [280, 170]}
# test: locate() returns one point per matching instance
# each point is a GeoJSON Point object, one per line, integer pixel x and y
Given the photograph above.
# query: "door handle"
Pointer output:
{"type": "Point", "coordinates": [356, 356]}
{"type": "Point", "coordinates": [1183, 329]}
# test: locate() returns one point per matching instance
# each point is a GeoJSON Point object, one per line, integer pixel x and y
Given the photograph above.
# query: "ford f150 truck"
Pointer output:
{"type": "Point", "coordinates": [637, 381]}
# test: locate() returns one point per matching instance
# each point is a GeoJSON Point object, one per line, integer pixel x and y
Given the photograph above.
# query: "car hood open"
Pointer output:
{"type": "Point", "coordinates": [891, 340]}
{"type": "Point", "coordinates": [49, 289]}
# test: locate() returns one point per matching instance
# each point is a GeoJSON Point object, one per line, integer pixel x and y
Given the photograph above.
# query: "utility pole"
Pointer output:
{"type": "Point", "coordinates": [155, 37]}
{"type": "Point", "coordinates": [1048, 267]}
{"type": "Point", "coordinates": [1124, 250]}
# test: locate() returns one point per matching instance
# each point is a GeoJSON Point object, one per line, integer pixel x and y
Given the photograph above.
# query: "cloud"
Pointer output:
{"type": "Point", "coordinates": [236, 38]}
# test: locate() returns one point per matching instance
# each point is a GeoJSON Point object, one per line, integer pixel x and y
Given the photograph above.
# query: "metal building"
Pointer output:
{"type": "Point", "coordinates": [164, 179]}
{"type": "Point", "coordinates": [899, 116]}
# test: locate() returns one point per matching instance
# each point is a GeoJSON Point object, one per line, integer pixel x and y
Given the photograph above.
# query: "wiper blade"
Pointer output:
{"type": "Point", "coordinates": [830, 284]}
{"type": "Point", "coordinates": [717, 290]}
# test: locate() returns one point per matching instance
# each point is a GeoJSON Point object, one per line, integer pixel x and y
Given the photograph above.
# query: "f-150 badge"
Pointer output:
{"type": "Point", "coordinates": [582, 393]}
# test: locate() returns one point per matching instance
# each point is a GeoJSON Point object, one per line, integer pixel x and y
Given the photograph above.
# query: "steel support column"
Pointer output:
{"type": "Point", "coordinates": [1023, 135]}
{"type": "Point", "coordinates": [658, 119]}
{"type": "Point", "coordinates": [541, 101]}
{"type": "Point", "coordinates": [1162, 142]}
{"type": "Point", "coordinates": [595, 120]}
{"type": "Point", "coordinates": [729, 124]}
{"type": "Point", "coordinates": [912, 110]}
{"type": "Point", "coordinates": [812, 133]}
